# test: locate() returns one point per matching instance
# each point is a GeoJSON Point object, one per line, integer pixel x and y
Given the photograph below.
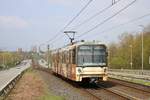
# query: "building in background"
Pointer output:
{"type": "Point", "coordinates": [19, 50]}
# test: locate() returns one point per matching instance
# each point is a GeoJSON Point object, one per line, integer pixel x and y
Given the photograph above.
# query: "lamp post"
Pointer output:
{"type": "Point", "coordinates": [142, 46]}
{"type": "Point", "coordinates": [149, 59]}
{"type": "Point", "coordinates": [131, 56]}
{"type": "Point", "coordinates": [109, 58]}
{"type": "Point", "coordinates": [3, 60]}
{"type": "Point", "coordinates": [48, 55]}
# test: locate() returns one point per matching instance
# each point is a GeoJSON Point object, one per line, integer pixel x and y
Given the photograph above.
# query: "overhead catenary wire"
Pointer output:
{"type": "Point", "coordinates": [103, 10]}
{"type": "Point", "coordinates": [81, 36]}
{"type": "Point", "coordinates": [130, 21]}
{"type": "Point", "coordinates": [74, 18]}
{"type": "Point", "coordinates": [78, 14]}
{"type": "Point", "coordinates": [98, 25]}
{"type": "Point", "coordinates": [95, 15]}
{"type": "Point", "coordinates": [63, 34]}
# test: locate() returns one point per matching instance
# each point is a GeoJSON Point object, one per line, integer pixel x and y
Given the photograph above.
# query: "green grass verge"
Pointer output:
{"type": "Point", "coordinates": [49, 96]}
{"type": "Point", "coordinates": [138, 81]}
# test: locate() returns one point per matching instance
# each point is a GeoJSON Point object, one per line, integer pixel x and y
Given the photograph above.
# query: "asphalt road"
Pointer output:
{"type": "Point", "coordinates": [6, 76]}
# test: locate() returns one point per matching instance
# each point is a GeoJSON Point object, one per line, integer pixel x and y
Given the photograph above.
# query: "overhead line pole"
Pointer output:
{"type": "Point", "coordinates": [131, 56]}
{"type": "Point", "coordinates": [142, 53]}
{"type": "Point", "coordinates": [48, 55]}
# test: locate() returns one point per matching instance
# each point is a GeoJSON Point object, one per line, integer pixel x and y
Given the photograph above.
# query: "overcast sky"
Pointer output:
{"type": "Point", "coordinates": [24, 23]}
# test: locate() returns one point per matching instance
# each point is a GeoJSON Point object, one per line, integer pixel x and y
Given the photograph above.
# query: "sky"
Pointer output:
{"type": "Point", "coordinates": [27, 23]}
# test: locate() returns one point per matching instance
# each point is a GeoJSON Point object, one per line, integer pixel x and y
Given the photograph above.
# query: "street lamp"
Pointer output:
{"type": "Point", "coordinates": [3, 60]}
{"type": "Point", "coordinates": [149, 59]}
{"type": "Point", "coordinates": [131, 56]}
{"type": "Point", "coordinates": [48, 47]}
{"type": "Point", "coordinates": [142, 45]}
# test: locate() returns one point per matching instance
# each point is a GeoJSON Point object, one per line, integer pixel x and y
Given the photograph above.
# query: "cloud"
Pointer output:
{"type": "Point", "coordinates": [12, 22]}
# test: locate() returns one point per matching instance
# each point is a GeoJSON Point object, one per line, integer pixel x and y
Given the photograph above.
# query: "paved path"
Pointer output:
{"type": "Point", "coordinates": [6, 76]}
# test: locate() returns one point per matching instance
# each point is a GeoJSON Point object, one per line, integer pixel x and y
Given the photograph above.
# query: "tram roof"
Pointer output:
{"type": "Point", "coordinates": [76, 44]}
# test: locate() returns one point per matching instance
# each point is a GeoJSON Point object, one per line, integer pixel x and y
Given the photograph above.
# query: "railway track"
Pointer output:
{"type": "Point", "coordinates": [121, 94]}
{"type": "Point", "coordinates": [105, 94]}
{"type": "Point", "coordinates": [131, 91]}
{"type": "Point", "coordinates": [131, 85]}
{"type": "Point", "coordinates": [113, 90]}
{"type": "Point", "coordinates": [102, 93]}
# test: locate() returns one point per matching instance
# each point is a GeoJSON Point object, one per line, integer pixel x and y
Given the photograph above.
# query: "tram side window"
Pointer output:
{"type": "Point", "coordinates": [67, 53]}
{"type": "Point", "coordinates": [63, 57]}
{"type": "Point", "coordinates": [60, 57]}
{"type": "Point", "coordinates": [73, 56]}
{"type": "Point", "coordinates": [70, 56]}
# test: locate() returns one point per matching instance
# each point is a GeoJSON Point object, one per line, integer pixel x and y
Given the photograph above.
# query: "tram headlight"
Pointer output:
{"type": "Point", "coordinates": [79, 70]}
{"type": "Point", "coordinates": [105, 70]}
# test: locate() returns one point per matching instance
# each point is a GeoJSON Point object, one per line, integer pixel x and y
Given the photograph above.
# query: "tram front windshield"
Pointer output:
{"type": "Point", "coordinates": [92, 55]}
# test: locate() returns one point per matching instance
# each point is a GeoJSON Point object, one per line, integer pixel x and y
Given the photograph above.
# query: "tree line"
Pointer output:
{"type": "Point", "coordinates": [11, 59]}
{"type": "Point", "coordinates": [127, 53]}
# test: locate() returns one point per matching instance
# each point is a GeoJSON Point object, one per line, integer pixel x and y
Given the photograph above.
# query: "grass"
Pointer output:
{"type": "Point", "coordinates": [32, 87]}
{"type": "Point", "coordinates": [49, 96]}
{"type": "Point", "coordinates": [138, 81]}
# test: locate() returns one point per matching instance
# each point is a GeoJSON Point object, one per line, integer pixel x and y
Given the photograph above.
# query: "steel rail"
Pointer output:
{"type": "Point", "coordinates": [131, 85]}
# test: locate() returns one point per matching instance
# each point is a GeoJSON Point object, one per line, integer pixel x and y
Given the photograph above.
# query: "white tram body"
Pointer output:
{"type": "Point", "coordinates": [82, 61]}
